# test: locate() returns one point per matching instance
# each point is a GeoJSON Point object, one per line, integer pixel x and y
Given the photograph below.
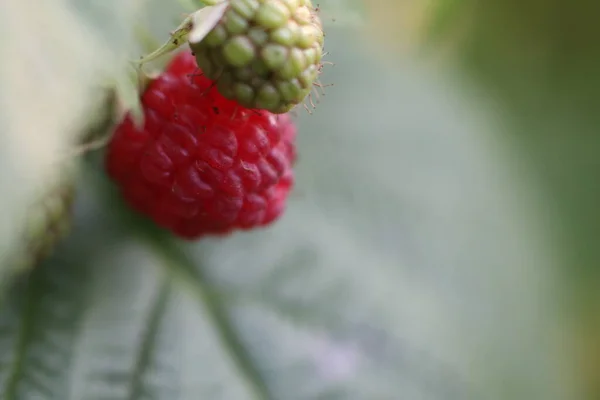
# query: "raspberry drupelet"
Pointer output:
{"type": "Point", "coordinates": [202, 164]}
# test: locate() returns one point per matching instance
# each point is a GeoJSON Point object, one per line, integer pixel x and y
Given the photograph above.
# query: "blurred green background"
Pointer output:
{"type": "Point", "coordinates": [439, 244]}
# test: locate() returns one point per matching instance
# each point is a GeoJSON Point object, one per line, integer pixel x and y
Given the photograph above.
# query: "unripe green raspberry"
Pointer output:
{"type": "Point", "coordinates": [264, 54]}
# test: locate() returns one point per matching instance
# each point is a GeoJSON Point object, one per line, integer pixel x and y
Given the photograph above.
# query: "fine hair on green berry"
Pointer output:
{"type": "Point", "coordinates": [264, 54]}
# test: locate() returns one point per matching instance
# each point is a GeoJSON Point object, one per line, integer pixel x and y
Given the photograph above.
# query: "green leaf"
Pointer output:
{"type": "Point", "coordinates": [412, 262]}
{"type": "Point", "coordinates": [402, 269]}
{"type": "Point", "coordinates": [542, 78]}
{"type": "Point", "coordinates": [56, 59]}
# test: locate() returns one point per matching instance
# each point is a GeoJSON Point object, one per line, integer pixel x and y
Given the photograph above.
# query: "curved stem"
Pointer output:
{"type": "Point", "coordinates": [177, 39]}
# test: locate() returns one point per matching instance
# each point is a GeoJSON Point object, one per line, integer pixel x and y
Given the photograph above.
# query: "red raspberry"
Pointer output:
{"type": "Point", "coordinates": [202, 164]}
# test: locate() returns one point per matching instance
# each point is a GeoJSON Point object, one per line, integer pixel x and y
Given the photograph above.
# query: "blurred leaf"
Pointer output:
{"type": "Point", "coordinates": [56, 59]}
{"type": "Point", "coordinates": [536, 63]}
{"type": "Point", "coordinates": [407, 266]}
{"type": "Point", "coordinates": [539, 63]}
{"type": "Point", "coordinates": [413, 261]}
{"type": "Point", "coordinates": [341, 13]}
{"type": "Point", "coordinates": [397, 26]}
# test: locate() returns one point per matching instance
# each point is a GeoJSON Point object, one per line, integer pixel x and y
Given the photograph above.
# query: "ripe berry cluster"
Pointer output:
{"type": "Point", "coordinates": [202, 164]}
{"type": "Point", "coordinates": [217, 148]}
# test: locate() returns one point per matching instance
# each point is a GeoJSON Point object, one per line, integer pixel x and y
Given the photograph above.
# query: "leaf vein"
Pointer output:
{"type": "Point", "coordinates": [194, 279]}
{"type": "Point", "coordinates": [148, 343]}
{"type": "Point", "coordinates": [26, 333]}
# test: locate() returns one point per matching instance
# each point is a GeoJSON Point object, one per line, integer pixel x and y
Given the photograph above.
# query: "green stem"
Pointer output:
{"type": "Point", "coordinates": [148, 343]}
{"type": "Point", "coordinates": [191, 276]}
{"type": "Point", "coordinates": [26, 331]}
{"type": "Point", "coordinates": [177, 39]}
